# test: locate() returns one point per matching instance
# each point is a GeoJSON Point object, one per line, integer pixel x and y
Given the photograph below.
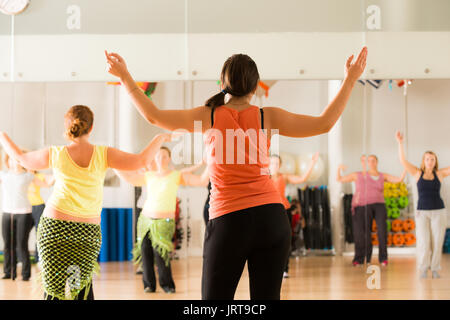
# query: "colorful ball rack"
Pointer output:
{"type": "Point", "coordinates": [400, 228]}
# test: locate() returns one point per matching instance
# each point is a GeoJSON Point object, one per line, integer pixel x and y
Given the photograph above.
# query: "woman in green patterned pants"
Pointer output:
{"type": "Point", "coordinates": [69, 235]}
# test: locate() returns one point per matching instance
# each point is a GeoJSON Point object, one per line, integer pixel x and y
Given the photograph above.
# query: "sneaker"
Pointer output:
{"type": "Point", "coordinates": [168, 289]}
{"type": "Point", "coordinates": [384, 263]}
{"type": "Point", "coordinates": [148, 289]}
{"type": "Point", "coordinates": [6, 276]}
{"type": "Point", "coordinates": [26, 278]}
{"type": "Point", "coordinates": [285, 275]}
{"type": "Point", "coordinates": [423, 275]}
{"type": "Point", "coordinates": [356, 264]}
{"type": "Point", "coordinates": [435, 275]}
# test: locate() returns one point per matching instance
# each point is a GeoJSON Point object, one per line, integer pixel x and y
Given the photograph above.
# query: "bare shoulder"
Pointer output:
{"type": "Point", "coordinates": [202, 113]}
{"type": "Point", "coordinates": [270, 113]}
{"type": "Point", "coordinates": [271, 110]}
{"type": "Point", "coordinates": [417, 175]}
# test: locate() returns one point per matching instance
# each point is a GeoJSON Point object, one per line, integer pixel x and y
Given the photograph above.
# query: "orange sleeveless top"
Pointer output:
{"type": "Point", "coordinates": [238, 162]}
{"type": "Point", "coordinates": [280, 185]}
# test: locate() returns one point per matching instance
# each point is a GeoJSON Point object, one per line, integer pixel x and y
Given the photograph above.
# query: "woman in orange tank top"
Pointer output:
{"type": "Point", "coordinates": [280, 181]}
{"type": "Point", "coordinates": [248, 223]}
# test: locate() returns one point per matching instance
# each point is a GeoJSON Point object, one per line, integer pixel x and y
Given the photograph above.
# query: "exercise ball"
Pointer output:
{"type": "Point", "coordinates": [287, 163]}
{"type": "Point", "coordinates": [303, 163]}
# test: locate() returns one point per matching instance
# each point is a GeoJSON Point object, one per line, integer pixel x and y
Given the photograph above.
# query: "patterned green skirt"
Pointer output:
{"type": "Point", "coordinates": [68, 254]}
{"type": "Point", "coordinates": [160, 232]}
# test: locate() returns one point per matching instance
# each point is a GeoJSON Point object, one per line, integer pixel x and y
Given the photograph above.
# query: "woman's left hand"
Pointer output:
{"type": "Point", "coordinates": [116, 64]}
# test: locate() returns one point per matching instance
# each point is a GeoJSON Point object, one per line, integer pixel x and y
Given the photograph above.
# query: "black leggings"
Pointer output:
{"type": "Point", "coordinates": [259, 236]}
{"type": "Point", "coordinates": [15, 231]}
{"type": "Point", "coordinates": [289, 215]}
{"type": "Point", "coordinates": [37, 213]}
{"type": "Point", "coordinates": [362, 232]}
{"type": "Point", "coordinates": [149, 255]}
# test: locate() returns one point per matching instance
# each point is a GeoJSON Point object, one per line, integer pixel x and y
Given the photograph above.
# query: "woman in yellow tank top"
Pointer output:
{"type": "Point", "coordinates": [156, 224]}
{"type": "Point", "coordinates": [69, 235]}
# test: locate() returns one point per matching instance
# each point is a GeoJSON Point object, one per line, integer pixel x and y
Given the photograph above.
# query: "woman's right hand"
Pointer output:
{"type": "Point", "coordinates": [342, 167]}
{"type": "Point", "coordinates": [354, 70]}
{"type": "Point", "coordinates": [399, 137]}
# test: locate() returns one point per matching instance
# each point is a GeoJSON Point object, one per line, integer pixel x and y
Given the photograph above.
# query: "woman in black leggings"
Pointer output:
{"type": "Point", "coordinates": [248, 222]}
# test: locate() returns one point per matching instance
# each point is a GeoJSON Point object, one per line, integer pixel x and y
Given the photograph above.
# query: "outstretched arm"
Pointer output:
{"type": "Point", "coordinates": [412, 169]}
{"type": "Point", "coordinates": [298, 125]}
{"type": "Point", "coordinates": [348, 178]}
{"type": "Point", "coordinates": [121, 160]}
{"type": "Point", "coordinates": [191, 168]}
{"type": "Point", "coordinates": [294, 179]}
{"type": "Point", "coordinates": [394, 179]}
{"type": "Point", "coordinates": [194, 180]}
{"type": "Point", "coordinates": [34, 160]}
{"type": "Point", "coordinates": [135, 178]}
{"type": "Point", "coordinates": [444, 172]}
{"type": "Point", "coordinates": [47, 182]}
{"type": "Point", "coordinates": [166, 119]}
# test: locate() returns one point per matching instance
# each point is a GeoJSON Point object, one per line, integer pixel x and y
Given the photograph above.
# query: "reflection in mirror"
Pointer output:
{"type": "Point", "coordinates": [405, 122]}
{"type": "Point", "coordinates": [34, 116]}
{"type": "Point", "coordinates": [352, 151]}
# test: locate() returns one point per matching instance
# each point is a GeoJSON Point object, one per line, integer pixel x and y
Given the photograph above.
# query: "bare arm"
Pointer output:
{"type": "Point", "coordinates": [412, 169]}
{"type": "Point", "coordinates": [394, 179]}
{"type": "Point", "coordinates": [135, 178]}
{"type": "Point", "coordinates": [166, 119]}
{"type": "Point", "coordinates": [34, 160]}
{"type": "Point", "coordinates": [298, 125]}
{"type": "Point", "coordinates": [121, 160]}
{"type": "Point", "coordinates": [47, 181]}
{"type": "Point", "coordinates": [444, 172]}
{"type": "Point", "coordinates": [348, 178]}
{"type": "Point", "coordinates": [190, 179]}
{"type": "Point", "coordinates": [294, 179]}
{"type": "Point", "coordinates": [191, 168]}
{"type": "Point", "coordinates": [41, 183]}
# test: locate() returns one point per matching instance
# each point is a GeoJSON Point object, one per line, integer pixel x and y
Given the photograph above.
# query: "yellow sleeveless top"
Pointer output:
{"type": "Point", "coordinates": [34, 191]}
{"type": "Point", "coordinates": [78, 191]}
{"type": "Point", "coordinates": [162, 192]}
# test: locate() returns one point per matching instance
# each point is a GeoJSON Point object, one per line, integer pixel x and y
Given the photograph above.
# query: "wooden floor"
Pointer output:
{"type": "Point", "coordinates": [316, 277]}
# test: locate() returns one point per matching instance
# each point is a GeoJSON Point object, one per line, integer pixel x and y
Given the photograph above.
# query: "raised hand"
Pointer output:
{"type": "Point", "coordinates": [315, 157]}
{"type": "Point", "coordinates": [116, 64]}
{"type": "Point", "coordinates": [354, 70]}
{"type": "Point", "coordinates": [342, 167]}
{"type": "Point", "coordinates": [399, 137]}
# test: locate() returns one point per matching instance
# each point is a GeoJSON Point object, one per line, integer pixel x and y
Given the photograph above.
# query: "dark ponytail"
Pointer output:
{"type": "Point", "coordinates": [239, 76]}
{"type": "Point", "coordinates": [216, 100]}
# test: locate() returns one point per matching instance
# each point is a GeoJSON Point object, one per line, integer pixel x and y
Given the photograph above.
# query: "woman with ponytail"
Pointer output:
{"type": "Point", "coordinates": [69, 236]}
{"type": "Point", "coordinates": [244, 203]}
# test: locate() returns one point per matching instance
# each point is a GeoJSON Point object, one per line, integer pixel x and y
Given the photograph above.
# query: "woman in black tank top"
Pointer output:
{"type": "Point", "coordinates": [431, 216]}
